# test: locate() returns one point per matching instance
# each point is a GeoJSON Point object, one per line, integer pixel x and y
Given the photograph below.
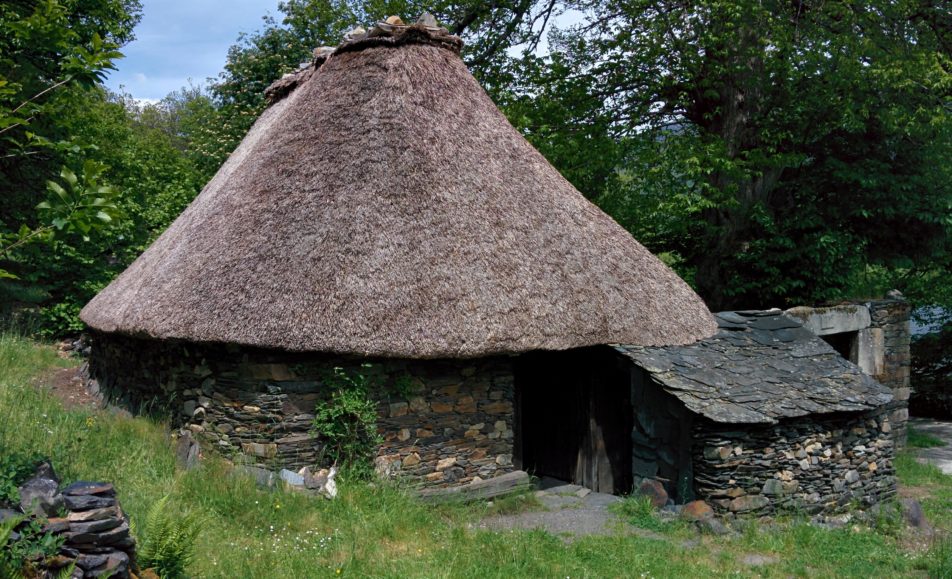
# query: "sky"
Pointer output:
{"type": "Point", "coordinates": [183, 41]}
{"type": "Point", "coordinates": [178, 40]}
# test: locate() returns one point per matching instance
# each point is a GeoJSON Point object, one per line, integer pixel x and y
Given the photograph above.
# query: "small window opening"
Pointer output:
{"type": "Point", "coordinates": [845, 343]}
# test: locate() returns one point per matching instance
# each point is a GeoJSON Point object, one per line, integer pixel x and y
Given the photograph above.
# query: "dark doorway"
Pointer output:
{"type": "Point", "coordinates": [574, 418]}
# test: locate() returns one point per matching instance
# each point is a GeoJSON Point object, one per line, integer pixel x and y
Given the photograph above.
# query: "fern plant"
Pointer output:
{"type": "Point", "coordinates": [169, 542]}
{"type": "Point", "coordinates": [9, 567]}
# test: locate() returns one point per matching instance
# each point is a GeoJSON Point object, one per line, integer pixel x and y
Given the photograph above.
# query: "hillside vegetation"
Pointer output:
{"type": "Point", "coordinates": [378, 530]}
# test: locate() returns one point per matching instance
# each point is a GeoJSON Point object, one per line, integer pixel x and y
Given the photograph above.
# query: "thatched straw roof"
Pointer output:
{"type": "Point", "coordinates": [384, 206]}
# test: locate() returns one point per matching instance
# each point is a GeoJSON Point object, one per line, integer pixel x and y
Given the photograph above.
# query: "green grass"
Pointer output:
{"type": "Point", "coordinates": [377, 530]}
{"type": "Point", "coordinates": [917, 439]}
{"type": "Point", "coordinates": [639, 512]}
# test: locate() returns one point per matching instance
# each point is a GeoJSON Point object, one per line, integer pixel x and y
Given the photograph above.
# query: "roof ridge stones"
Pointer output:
{"type": "Point", "coordinates": [390, 32]}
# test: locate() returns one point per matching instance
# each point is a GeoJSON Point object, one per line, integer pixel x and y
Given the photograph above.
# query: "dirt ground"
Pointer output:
{"type": "Point", "coordinates": [67, 385]}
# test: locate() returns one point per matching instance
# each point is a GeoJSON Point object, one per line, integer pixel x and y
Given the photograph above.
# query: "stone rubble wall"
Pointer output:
{"type": "Point", "coordinates": [444, 422]}
{"type": "Point", "coordinates": [457, 427]}
{"type": "Point", "coordinates": [810, 464]}
{"type": "Point", "coordinates": [891, 317]}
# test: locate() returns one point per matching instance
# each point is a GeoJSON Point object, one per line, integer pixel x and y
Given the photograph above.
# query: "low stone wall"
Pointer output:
{"type": "Point", "coordinates": [811, 464]}
{"type": "Point", "coordinates": [444, 422]}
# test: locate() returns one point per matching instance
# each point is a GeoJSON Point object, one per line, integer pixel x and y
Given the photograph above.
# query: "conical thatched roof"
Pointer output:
{"type": "Point", "coordinates": [384, 206]}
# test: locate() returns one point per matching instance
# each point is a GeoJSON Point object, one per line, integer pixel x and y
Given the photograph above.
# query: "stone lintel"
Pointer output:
{"type": "Point", "coordinates": [834, 319]}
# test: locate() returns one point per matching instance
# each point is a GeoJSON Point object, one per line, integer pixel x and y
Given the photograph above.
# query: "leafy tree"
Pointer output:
{"type": "Point", "coordinates": [62, 138]}
{"type": "Point", "coordinates": [777, 150]}
{"type": "Point", "coordinates": [48, 49]}
{"type": "Point", "coordinates": [153, 178]}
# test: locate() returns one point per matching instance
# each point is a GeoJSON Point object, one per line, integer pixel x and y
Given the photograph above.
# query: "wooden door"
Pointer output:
{"type": "Point", "coordinates": [575, 418]}
{"type": "Point", "coordinates": [604, 455]}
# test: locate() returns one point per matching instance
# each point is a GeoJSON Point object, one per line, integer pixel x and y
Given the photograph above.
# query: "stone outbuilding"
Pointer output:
{"type": "Point", "coordinates": [383, 211]}
{"type": "Point", "coordinates": [761, 416]}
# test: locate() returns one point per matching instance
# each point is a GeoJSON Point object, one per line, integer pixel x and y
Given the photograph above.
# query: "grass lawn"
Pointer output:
{"type": "Point", "coordinates": [379, 531]}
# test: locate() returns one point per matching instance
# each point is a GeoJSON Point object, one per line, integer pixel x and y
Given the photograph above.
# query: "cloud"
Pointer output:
{"type": "Point", "coordinates": [178, 40]}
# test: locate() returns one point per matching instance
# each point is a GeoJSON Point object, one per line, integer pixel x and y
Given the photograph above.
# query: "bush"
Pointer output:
{"type": "Point", "coordinates": [347, 422]}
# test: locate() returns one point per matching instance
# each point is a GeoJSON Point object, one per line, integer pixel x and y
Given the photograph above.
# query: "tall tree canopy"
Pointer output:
{"type": "Point", "coordinates": [781, 150]}
{"type": "Point", "coordinates": [74, 158]}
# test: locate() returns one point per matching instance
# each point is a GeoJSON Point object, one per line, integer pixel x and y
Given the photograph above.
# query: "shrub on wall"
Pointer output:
{"type": "Point", "coordinates": [347, 421]}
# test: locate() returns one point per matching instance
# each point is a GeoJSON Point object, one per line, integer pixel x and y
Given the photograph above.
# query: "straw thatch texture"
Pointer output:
{"type": "Point", "coordinates": [386, 207]}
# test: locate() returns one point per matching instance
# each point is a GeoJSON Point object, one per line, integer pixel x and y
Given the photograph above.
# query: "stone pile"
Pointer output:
{"type": "Point", "coordinates": [812, 465]}
{"type": "Point", "coordinates": [87, 515]}
{"type": "Point", "coordinates": [321, 483]}
{"type": "Point", "coordinates": [75, 346]}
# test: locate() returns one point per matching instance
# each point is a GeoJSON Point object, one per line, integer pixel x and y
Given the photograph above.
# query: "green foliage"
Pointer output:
{"type": "Point", "coordinates": [153, 177]}
{"type": "Point", "coordinates": [34, 544]}
{"type": "Point", "coordinates": [918, 439]}
{"type": "Point", "coordinates": [53, 55]}
{"type": "Point", "coordinates": [81, 203]}
{"type": "Point", "coordinates": [168, 544]}
{"type": "Point", "coordinates": [9, 567]}
{"type": "Point", "coordinates": [639, 512]}
{"type": "Point", "coordinates": [15, 469]}
{"type": "Point", "coordinates": [347, 421]}
{"type": "Point", "coordinates": [778, 150]}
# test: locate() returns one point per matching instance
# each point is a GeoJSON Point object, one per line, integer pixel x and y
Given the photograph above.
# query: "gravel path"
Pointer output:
{"type": "Point", "coordinates": [571, 511]}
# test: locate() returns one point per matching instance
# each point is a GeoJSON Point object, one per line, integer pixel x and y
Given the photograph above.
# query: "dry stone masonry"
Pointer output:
{"type": "Point", "coordinates": [874, 335]}
{"type": "Point", "coordinates": [812, 465]}
{"type": "Point", "coordinates": [443, 422]}
{"type": "Point", "coordinates": [762, 416]}
{"type": "Point", "coordinates": [891, 317]}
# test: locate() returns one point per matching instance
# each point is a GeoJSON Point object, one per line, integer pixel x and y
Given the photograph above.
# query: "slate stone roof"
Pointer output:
{"type": "Point", "coordinates": [760, 367]}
